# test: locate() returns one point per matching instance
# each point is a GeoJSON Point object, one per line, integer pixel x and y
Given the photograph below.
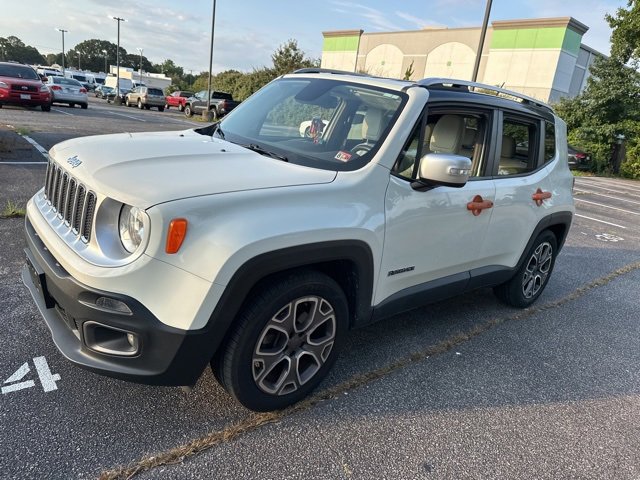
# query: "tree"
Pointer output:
{"type": "Point", "coordinates": [288, 58]}
{"type": "Point", "coordinates": [610, 105]}
{"type": "Point", "coordinates": [12, 48]}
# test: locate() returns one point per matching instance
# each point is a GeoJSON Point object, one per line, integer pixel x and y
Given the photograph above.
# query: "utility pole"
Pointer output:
{"type": "Point", "coordinates": [117, 96]}
{"type": "Point", "coordinates": [79, 67]}
{"type": "Point", "coordinates": [483, 34]}
{"type": "Point", "coordinates": [63, 32]}
{"type": "Point", "coordinates": [207, 114]}
{"type": "Point", "coordinates": [105, 61]}
{"type": "Point", "coordinates": [140, 50]}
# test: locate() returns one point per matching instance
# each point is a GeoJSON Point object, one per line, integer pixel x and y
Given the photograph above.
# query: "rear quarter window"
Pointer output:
{"type": "Point", "coordinates": [549, 142]}
{"type": "Point", "coordinates": [155, 91]}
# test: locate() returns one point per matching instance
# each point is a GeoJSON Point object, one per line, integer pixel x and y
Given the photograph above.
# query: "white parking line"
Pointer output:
{"type": "Point", "coordinates": [592, 185]}
{"type": "Point", "coordinates": [608, 196]}
{"type": "Point", "coordinates": [606, 206]}
{"type": "Point", "coordinates": [601, 221]}
{"type": "Point", "coordinates": [60, 111]}
{"type": "Point", "coordinates": [128, 116]}
{"type": "Point", "coordinates": [37, 146]}
{"type": "Point", "coordinates": [620, 184]}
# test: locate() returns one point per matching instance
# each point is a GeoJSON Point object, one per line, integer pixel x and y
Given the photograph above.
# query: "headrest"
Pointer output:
{"type": "Point", "coordinates": [508, 147]}
{"type": "Point", "coordinates": [372, 124]}
{"type": "Point", "coordinates": [447, 134]}
{"type": "Point", "coordinates": [469, 138]}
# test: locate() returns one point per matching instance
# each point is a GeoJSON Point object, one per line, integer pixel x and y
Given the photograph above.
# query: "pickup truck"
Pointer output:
{"type": "Point", "coordinates": [221, 104]}
{"type": "Point", "coordinates": [177, 99]}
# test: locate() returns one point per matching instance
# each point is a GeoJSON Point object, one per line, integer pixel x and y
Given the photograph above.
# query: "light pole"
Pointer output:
{"type": "Point", "coordinates": [207, 114]}
{"type": "Point", "coordinates": [483, 33]}
{"type": "Point", "coordinates": [117, 96]}
{"type": "Point", "coordinates": [140, 50]}
{"type": "Point", "coordinates": [79, 67]}
{"type": "Point", "coordinates": [63, 32]}
{"type": "Point", "coordinates": [105, 61]}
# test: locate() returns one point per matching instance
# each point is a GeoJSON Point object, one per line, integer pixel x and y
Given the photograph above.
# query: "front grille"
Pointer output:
{"type": "Point", "coordinates": [71, 200]}
{"type": "Point", "coordinates": [23, 88]}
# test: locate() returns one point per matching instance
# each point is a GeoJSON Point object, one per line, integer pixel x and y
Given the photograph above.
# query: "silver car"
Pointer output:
{"type": "Point", "coordinates": [67, 90]}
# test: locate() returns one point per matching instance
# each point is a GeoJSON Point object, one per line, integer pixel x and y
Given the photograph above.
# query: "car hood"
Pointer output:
{"type": "Point", "coordinates": [144, 169]}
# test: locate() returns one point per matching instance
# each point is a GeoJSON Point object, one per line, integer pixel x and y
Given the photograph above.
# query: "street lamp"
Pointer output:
{"type": "Point", "coordinates": [119, 101]}
{"type": "Point", "coordinates": [63, 32]}
{"type": "Point", "coordinates": [483, 33]}
{"type": "Point", "coordinates": [79, 67]}
{"type": "Point", "coordinates": [105, 61]}
{"type": "Point", "coordinates": [140, 50]}
{"type": "Point", "coordinates": [213, 23]}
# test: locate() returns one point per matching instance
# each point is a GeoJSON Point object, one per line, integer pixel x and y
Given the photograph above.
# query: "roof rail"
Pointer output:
{"type": "Point", "coordinates": [474, 86]}
{"type": "Point", "coordinates": [329, 70]}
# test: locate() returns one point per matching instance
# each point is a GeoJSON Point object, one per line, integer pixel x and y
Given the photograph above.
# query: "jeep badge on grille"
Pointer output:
{"type": "Point", "coordinates": [74, 161]}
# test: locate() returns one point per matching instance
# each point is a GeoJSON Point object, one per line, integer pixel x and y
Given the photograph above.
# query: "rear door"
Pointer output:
{"type": "Point", "coordinates": [523, 187]}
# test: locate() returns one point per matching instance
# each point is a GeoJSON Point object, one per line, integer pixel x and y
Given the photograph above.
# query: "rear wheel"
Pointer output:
{"type": "Point", "coordinates": [84, 106]}
{"type": "Point", "coordinates": [187, 111]}
{"type": "Point", "coordinates": [140, 104]}
{"type": "Point", "coordinates": [161, 109]}
{"type": "Point", "coordinates": [285, 340]}
{"type": "Point", "coordinates": [532, 277]}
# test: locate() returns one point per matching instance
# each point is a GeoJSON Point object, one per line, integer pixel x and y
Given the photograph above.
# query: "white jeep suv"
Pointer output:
{"type": "Point", "coordinates": [248, 247]}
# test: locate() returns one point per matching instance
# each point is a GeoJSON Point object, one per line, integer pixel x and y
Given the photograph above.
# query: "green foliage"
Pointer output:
{"type": "Point", "coordinates": [408, 73]}
{"type": "Point", "coordinates": [12, 48]}
{"type": "Point", "coordinates": [12, 210]}
{"type": "Point", "coordinates": [631, 168]}
{"type": "Point", "coordinates": [288, 57]}
{"type": "Point", "coordinates": [625, 39]}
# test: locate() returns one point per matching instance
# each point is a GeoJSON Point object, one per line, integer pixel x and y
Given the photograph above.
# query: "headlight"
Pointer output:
{"type": "Point", "coordinates": [4, 85]}
{"type": "Point", "coordinates": [132, 228]}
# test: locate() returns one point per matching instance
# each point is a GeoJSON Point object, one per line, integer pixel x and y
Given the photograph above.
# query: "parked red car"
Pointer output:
{"type": "Point", "coordinates": [177, 99]}
{"type": "Point", "coordinates": [21, 85]}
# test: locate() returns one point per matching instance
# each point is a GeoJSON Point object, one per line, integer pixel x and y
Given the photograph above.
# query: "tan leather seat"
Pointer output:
{"type": "Point", "coordinates": [509, 165]}
{"type": "Point", "coordinates": [447, 134]}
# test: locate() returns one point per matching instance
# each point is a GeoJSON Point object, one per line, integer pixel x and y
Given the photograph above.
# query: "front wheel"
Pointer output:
{"type": "Point", "coordinates": [532, 277]}
{"type": "Point", "coordinates": [126, 102]}
{"type": "Point", "coordinates": [140, 104]}
{"type": "Point", "coordinates": [187, 111]}
{"type": "Point", "coordinates": [284, 342]}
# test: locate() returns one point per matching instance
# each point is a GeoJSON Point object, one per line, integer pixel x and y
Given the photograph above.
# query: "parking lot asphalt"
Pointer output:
{"type": "Point", "coordinates": [465, 388]}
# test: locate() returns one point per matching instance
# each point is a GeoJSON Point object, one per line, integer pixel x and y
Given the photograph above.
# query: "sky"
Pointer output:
{"type": "Point", "coordinates": [247, 32]}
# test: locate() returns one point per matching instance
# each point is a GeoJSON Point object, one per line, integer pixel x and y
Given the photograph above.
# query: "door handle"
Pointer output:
{"type": "Point", "coordinates": [539, 197]}
{"type": "Point", "coordinates": [478, 204]}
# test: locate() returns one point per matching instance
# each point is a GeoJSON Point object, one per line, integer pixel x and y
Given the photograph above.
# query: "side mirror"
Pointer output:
{"type": "Point", "coordinates": [441, 169]}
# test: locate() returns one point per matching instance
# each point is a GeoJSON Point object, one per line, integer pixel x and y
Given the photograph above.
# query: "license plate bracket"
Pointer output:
{"type": "Point", "coordinates": [39, 280]}
{"type": "Point", "coordinates": [25, 96]}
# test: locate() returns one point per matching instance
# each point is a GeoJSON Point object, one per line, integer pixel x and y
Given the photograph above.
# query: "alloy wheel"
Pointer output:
{"type": "Point", "coordinates": [294, 345]}
{"type": "Point", "coordinates": [537, 270]}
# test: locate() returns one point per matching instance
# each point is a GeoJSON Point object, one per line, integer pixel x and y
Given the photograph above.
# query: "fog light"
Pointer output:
{"type": "Point", "coordinates": [133, 340]}
{"type": "Point", "coordinates": [113, 304]}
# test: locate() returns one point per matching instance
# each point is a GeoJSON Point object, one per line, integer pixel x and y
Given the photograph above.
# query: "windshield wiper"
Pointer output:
{"type": "Point", "coordinates": [266, 153]}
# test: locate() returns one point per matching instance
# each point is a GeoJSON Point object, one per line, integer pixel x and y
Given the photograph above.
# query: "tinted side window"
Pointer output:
{"type": "Point", "coordinates": [519, 146]}
{"type": "Point", "coordinates": [549, 141]}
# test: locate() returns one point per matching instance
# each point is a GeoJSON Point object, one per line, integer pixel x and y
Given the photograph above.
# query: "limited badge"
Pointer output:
{"type": "Point", "coordinates": [343, 156]}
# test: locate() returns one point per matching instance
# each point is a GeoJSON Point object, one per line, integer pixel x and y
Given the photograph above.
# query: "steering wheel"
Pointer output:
{"type": "Point", "coordinates": [361, 149]}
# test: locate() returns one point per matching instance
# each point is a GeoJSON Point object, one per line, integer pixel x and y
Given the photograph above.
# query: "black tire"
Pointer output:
{"type": "Point", "coordinates": [72, 105]}
{"type": "Point", "coordinates": [147, 107]}
{"type": "Point", "coordinates": [140, 106]}
{"type": "Point", "coordinates": [161, 109]}
{"type": "Point", "coordinates": [126, 102]}
{"type": "Point", "coordinates": [532, 277]}
{"type": "Point", "coordinates": [187, 111]}
{"type": "Point", "coordinates": [45, 108]}
{"type": "Point", "coordinates": [84, 106]}
{"type": "Point", "coordinates": [236, 365]}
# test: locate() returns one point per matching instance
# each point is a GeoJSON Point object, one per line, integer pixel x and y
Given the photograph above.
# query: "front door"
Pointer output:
{"type": "Point", "coordinates": [433, 234]}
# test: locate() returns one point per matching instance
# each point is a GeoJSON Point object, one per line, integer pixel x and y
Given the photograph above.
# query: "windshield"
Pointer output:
{"type": "Point", "coordinates": [18, 71]}
{"type": "Point", "coordinates": [322, 123]}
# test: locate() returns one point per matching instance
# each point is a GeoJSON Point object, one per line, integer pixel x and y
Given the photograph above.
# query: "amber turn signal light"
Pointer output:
{"type": "Point", "coordinates": [175, 235]}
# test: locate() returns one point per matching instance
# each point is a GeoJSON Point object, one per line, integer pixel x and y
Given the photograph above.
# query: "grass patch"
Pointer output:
{"type": "Point", "coordinates": [22, 131]}
{"type": "Point", "coordinates": [12, 210]}
{"type": "Point", "coordinates": [582, 173]}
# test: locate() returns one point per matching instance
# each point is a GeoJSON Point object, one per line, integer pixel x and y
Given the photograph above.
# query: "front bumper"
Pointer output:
{"type": "Point", "coordinates": [166, 355]}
